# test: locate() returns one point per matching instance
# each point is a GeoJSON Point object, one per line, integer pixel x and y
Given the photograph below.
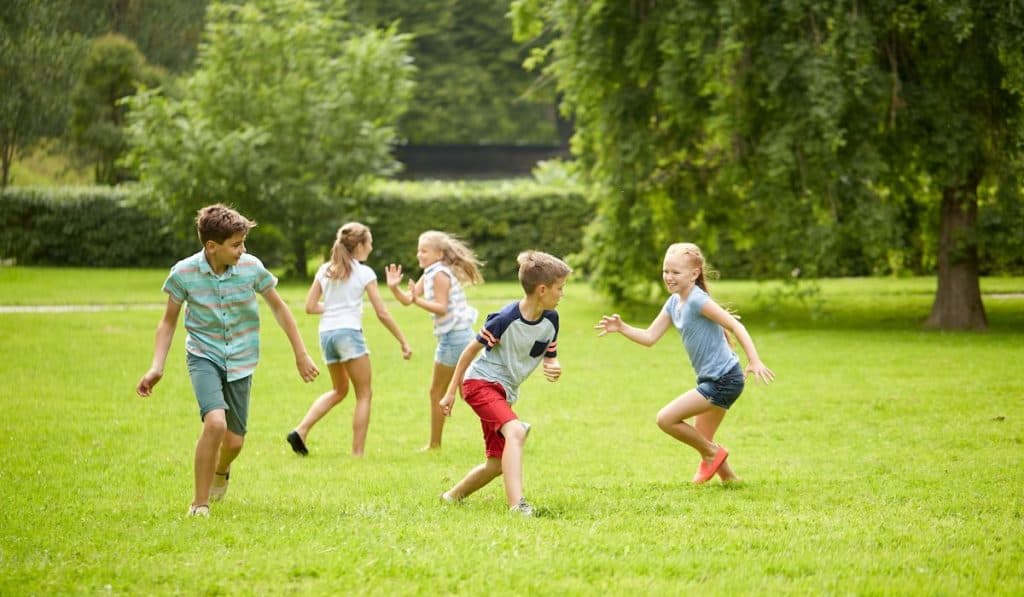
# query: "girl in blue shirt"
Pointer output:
{"type": "Point", "coordinates": [702, 324]}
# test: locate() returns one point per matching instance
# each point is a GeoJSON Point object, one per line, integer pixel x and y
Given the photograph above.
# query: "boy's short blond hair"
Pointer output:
{"type": "Point", "coordinates": [218, 222]}
{"type": "Point", "coordinates": [536, 268]}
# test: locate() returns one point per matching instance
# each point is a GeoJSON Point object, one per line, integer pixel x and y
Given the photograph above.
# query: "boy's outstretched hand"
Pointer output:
{"type": "Point", "coordinates": [446, 403]}
{"type": "Point", "coordinates": [307, 369]}
{"type": "Point", "coordinates": [145, 386]}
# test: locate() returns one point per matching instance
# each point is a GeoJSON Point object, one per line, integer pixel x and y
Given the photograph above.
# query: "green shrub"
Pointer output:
{"type": "Point", "coordinates": [497, 219]}
{"type": "Point", "coordinates": [85, 226]}
{"type": "Point", "coordinates": [119, 227]}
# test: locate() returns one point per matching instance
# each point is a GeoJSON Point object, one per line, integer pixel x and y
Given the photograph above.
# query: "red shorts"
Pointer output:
{"type": "Point", "coordinates": [487, 399]}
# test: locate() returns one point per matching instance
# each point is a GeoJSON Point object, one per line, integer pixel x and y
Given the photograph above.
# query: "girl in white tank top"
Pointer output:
{"type": "Point", "coordinates": [447, 264]}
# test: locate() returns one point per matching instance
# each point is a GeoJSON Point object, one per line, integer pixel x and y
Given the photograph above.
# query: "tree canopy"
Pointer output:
{"type": "Point", "coordinates": [471, 87]}
{"type": "Point", "coordinates": [290, 110]}
{"type": "Point", "coordinates": [38, 60]}
{"type": "Point", "coordinates": [790, 136]}
{"type": "Point", "coordinates": [113, 70]}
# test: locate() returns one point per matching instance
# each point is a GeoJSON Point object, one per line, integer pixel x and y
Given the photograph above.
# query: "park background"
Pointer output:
{"type": "Point", "coordinates": [853, 172]}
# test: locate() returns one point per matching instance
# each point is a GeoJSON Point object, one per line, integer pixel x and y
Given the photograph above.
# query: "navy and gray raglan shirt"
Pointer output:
{"type": "Point", "coordinates": [521, 346]}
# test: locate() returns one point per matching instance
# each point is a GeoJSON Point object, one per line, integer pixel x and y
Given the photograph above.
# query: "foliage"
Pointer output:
{"type": "Point", "coordinates": [497, 219]}
{"type": "Point", "coordinates": [166, 31]}
{"type": "Point", "coordinates": [289, 106]}
{"type": "Point", "coordinates": [85, 226]}
{"type": "Point", "coordinates": [37, 64]}
{"type": "Point", "coordinates": [113, 70]}
{"type": "Point", "coordinates": [470, 86]}
{"type": "Point", "coordinates": [842, 494]}
{"type": "Point", "coordinates": [780, 135]}
{"type": "Point", "coordinates": [120, 227]}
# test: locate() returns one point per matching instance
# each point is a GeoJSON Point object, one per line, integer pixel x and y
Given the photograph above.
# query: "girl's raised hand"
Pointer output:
{"type": "Point", "coordinates": [394, 274]}
{"type": "Point", "coordinates": [609, 324]}
{"type": "Point", "coordinates": [760, 372]}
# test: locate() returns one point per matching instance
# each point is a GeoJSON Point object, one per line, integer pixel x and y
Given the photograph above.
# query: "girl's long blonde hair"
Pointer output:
{"type": "Point", "coordinates": [456, 255]}
{"type": "Point", "coordinates": [349, 237]}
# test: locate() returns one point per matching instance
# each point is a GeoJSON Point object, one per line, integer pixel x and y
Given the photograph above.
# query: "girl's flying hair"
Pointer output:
{"type": "Point", "coordinates": [693, 255]}
{"type": "Point", "coordinates": [349, 237]}
{"type": "Point", "coordinates": [456, 255]}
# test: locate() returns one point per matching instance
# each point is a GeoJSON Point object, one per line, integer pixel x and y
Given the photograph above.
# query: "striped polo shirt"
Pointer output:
{"type": "Point", "coordinates": [222, 317]}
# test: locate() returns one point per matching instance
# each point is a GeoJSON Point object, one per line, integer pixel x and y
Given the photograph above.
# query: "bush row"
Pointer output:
{"type": "Point", "coordinates": [120, 227]}
{"type": "Point", "coordinates": [85, 226]}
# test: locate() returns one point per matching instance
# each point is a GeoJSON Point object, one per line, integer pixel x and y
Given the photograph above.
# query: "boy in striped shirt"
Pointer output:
{"type": "Point", "coordinates": [220, 284]}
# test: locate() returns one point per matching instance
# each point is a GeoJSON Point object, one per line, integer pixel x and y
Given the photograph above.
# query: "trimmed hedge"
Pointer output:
{"type": "Point", "coordinates": [497, 219]}
{"type": "Point", "coordinates": [113, 227]}
{"type": "Point", "coordinates": [85, 226]}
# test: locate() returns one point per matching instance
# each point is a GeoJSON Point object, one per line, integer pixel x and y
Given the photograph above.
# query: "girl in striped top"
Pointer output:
{"type": "Point", "coordinates": [447, 264]}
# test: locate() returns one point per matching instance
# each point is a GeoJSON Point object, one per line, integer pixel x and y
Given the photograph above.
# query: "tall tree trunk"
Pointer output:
{"type": "Point", "coordinates": [958, 303]}
{"type": "Point", "coordinates": [299, 249]}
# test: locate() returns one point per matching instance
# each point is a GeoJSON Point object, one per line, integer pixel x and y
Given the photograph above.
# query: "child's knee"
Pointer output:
{"type": "Point", "coordinates": [215, 422]}
{"type": "Point", "coordinates": [665, 420]}
{"type": "Point", "coordinates": [493, 467]}
{"type": "Point", "coordinates": [233, 441]}
{"type": "Point", "coordinates": [514, 432]}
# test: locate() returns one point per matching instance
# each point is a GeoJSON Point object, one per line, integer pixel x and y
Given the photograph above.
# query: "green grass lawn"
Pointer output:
{"type": "Point", "coordinates": [884, 460]}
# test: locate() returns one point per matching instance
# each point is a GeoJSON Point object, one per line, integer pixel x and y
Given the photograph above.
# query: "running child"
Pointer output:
{"type": "Point", "coordinates": [447, 264]}
{"type": "Point", "coordinates": [720, 379]}
{"type": "Point", "coordinates": [337, 295]}
{"type": "Point", "coordinates": [222, 320]}
{"type": "Point", "coordinates": [517, 339]}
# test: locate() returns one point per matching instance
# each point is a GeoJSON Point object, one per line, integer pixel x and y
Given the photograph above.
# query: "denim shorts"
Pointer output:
{"type": "Point", "coordinates": [450, 346]}
{"type": "Point", "coordinates": [214, 392]}
{"type": "Point", "coordinates": [342, 345]}
{"type": "Point", "coordinates": [723, 391]}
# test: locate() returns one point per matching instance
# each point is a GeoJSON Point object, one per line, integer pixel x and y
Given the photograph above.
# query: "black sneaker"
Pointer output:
{"type": "Point", "coordinates": [297, 444]}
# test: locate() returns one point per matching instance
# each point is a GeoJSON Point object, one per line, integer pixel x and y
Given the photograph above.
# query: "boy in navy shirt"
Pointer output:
{"type": "Point", "coordinates": [517, 339]}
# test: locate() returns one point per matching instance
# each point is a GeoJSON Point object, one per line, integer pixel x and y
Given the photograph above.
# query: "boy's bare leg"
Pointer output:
{"type": "Point", "coordinates": [481, 475]}
{"type": "Point", "coordinates": [207, 450]}
{"type": "Point", "coordinates": [512, 460]}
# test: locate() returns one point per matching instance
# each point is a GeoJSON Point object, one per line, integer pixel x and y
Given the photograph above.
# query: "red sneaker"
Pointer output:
{"type": "Point", "coordinates": [708, 469]}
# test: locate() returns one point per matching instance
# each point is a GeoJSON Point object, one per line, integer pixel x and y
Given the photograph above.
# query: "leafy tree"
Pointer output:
{"type": "Point", "coordinates": [289, 109]}
{"type": "Point", "coordinates": [37, 63]}
{"type": "Point", "coordinates": [166, 31]}
{"type": "Point", "coordinates": [113, 70]}
{"type": "Point", "coordinates": [470, 85]}
{"type": "Point", "coordinates": [789, 136]}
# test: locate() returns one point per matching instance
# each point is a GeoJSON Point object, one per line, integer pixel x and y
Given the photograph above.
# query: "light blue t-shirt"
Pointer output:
{"type": "Point", "coordinates": [521, 346]}
{"type": "Point", "coordinates": [703, 339]}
